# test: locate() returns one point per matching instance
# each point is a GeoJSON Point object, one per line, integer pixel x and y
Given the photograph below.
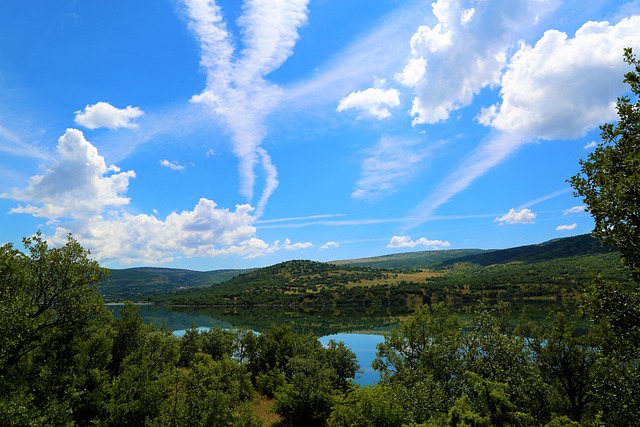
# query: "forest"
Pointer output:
{"type": "Point", "coordinates": [65, 360]}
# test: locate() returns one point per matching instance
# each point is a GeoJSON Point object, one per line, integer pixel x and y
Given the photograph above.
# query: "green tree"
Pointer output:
{"type": "Point", "coordinates": [422, 362]}
{"type": "Point", "coordinates": [50, 290]}
{"type": "Point", "coordinates": [56, 342]}
{"type": "Point", "coordinates": [307, 397]}
{"type": "Point", "coordinates": [609, 180]}
{"type": "Point", "coordinates": [566, 361]}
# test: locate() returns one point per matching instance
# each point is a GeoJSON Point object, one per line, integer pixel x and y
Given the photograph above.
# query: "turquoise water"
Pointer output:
{"type": "Point", "coordinates": [364, 347]}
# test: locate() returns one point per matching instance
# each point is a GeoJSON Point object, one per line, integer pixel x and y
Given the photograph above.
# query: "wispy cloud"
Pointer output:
{"type": "Point", "coordinates": [173, 165]}
{"type": "Point", "coordinates": [236, 87]}
{"type": "Point", "coordinates": [544, 198]}
{"type": "Point", "coordinates": [13, 144]}
{"type": "Point", "coordinates": [487, 155]}
{"type": "Point", "coordinates": [391, 163]}
{"type": "Point", "coordinates": [298, 218]}
{"type": "Point", "coordinates": [353, 68]}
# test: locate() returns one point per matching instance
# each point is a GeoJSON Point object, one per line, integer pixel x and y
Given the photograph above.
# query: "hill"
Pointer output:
{"type": "Point", "coordinates": [566, 247]}
{"type": "Point", "coordinates": [138, 283]}
{"type": "Point", "coordinates": [420, 259]}
{"type": "Point", "coordinates": [555, 269]}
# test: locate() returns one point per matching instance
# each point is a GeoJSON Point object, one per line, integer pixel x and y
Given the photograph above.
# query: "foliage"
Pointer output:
{"type": "Point", "coordinates": [609, 180]}
{"type": "Point", "coordinates": [140, 282]}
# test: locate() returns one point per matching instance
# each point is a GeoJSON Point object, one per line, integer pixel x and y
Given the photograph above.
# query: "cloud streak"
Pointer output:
{"type": "Point", "coordinates": [236, 89]}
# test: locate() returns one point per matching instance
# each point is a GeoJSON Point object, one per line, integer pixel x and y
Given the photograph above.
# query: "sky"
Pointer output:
{"type": "Point", "coordinates": [235, 134]}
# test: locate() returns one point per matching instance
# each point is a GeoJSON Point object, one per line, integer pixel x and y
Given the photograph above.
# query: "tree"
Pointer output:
{"type": "Point", "coordinates": [55, 342]}
{"type": "Point", "coordinates": [48, 290]}
{"type": "Point", "coordinates": [609, 180]}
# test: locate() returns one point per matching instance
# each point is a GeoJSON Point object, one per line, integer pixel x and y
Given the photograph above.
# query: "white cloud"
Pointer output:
{"type": "Point", "coordinates": [523, 216]}
{"type": "Point", "coordinates": [372, 101]}
{"type": "Point", "coordinates": [575, 210]}
{"type": "Point", "coordinates": [566, 227]}
{"type": "Point", "coordinates": [236, 90]}
{"type": "Point", "coordinates": [173, 165]}
{"type": "Point", "coordinates": [202, 232]}
{"type": "Point", "coordinates": [392, 162]}
{"type": "Point", "coordinates": [563, 87]}
{"type": "Point", "coordinates": [81, 195]}
{"type": "Point", "coordinates": [590, 145]}
{"type": "Point", "coordinates": [413, 72]}
{"type": "Point", "coordinates": [78, 183]}
{"type": "Point", "coordinates": [538, 95]}
{"type": "Point", "coordinates": [294, 246]}
{"type": "Point", "coordinates": [329, 245]}
{"type": "Point", "coordinates": [464, 52]}
{"type": "Point", "coordinates": [105, 115]}
{"type": "Point", "coordinates": [406, 242]}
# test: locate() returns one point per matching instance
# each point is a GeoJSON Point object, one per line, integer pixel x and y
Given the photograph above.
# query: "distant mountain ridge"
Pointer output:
{"type": "Point", "coordinates": [566, 254]}
{"type": "Point", "coordinates": [139, 282]}
{"type": "Point", "coordinates": [565, 247]}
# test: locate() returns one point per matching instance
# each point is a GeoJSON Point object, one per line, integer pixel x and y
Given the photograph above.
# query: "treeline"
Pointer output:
{"type": "Point", "coordinates": [64, 360]}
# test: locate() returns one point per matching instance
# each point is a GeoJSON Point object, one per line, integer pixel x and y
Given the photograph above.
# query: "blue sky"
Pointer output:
{"type": "Point", "coordinates": [226, 134]}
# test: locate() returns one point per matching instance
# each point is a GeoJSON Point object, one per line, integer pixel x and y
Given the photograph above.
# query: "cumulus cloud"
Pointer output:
{"type": "Point", "coordinates": [329, 245]}
{"type": "Point", "coordinates": [523, 216]}
{"type": "Point", "coordinates": [562, 87]}
{"type": "Point", "coordinates": [558, 89]}
{"type": "Point", "coordinates": [80, 194]}
{"type": "Point", "coordinates": [77, 184]}
{"type": "Point", "coordinates": [464, 52]}
{"type": "Point", "coordinates": [205, 231]}
{"type": "Point", "coordinates": [566, 227]}
{"type": "Point", "coordinates": [372, 101]}
{"type": "Point", "coordinates": [105, 115]}
{"type": "Point", "coordinates": [288, 245]}
{"type": "Point", "coordinates": [173, 165]}
{"type": "Point", "coordinates": [236, 89]}
{"type": "Point", "coordinates": [392, 162]}
{"type": "Point", "coordinates": [575, 210]}
{"type": "Point", "coordinates": [407, 242]}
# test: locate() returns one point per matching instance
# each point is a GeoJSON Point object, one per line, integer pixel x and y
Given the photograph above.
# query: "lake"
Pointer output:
{"type": "Point", "coordinates": [361, 329]}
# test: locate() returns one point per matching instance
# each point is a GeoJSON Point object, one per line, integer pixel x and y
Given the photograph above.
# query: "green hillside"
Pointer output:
{"type": "Point", "coordinates": [555, 249]}
{"type": "Point", "coordinates": [554, 269]}
{"type": "Point", "coordinates": [139, 283]}
{"type": "Point", "coordinates": [421, 259]}
{"type": "Point", "coordinates": [557, 269]}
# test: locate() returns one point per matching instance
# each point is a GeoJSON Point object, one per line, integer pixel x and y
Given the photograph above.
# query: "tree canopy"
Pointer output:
{"type": "Point", "coordinates": [609, 180]}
